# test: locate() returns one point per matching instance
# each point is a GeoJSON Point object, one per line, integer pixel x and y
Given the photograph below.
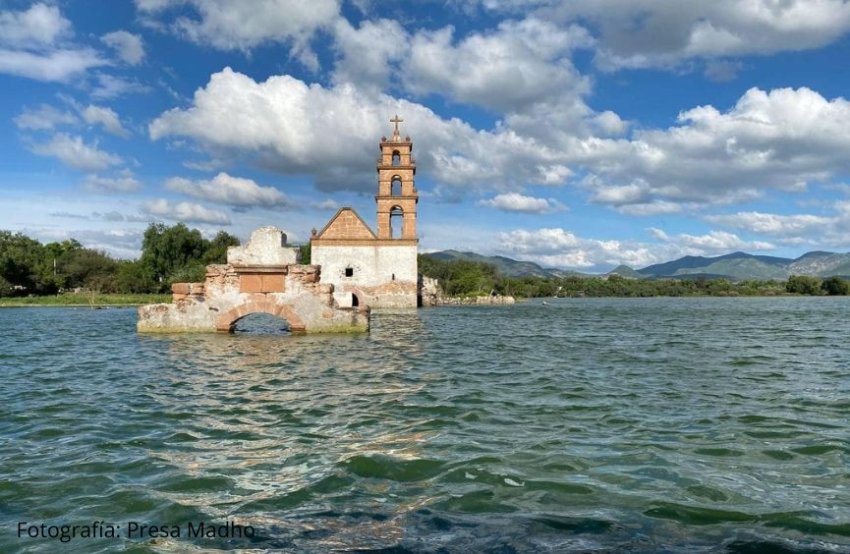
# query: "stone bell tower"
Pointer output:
{"type": "Point", "coordinates": [397, 197]}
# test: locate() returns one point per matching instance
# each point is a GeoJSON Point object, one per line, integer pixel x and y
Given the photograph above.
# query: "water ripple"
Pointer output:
{"type": "Point", "coordinates": [632, 425]}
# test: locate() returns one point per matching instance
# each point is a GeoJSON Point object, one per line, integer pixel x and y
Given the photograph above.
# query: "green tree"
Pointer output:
{"type": "Point", "coordinates": [23, 262]}
{"type": "Point", "coordinates": [835, 286]}
{"type": "Point", "coordinates": [217, 250]}
{"type": "Point", "coordinates": [804, 284]}
{"type": "Point", "coordinates": [305, 253]}
{"type": "Point", "coordinates": [135, 277]}
{"type": "Point", "coordinates": [166, 250]}
{"type": "Point", "coordinates": [88, 268]}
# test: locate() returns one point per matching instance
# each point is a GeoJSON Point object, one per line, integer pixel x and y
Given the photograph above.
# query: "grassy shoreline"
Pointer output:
{"type": "Point", "coordinates": [84, 300]}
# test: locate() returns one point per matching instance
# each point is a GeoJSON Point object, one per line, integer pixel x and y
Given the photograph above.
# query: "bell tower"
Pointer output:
{"type": "Point", "coordinates": [397, 197]}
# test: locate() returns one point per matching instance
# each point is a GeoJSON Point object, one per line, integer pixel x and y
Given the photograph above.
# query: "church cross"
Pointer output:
{"type": "Point", "coordinates": [396, 120]}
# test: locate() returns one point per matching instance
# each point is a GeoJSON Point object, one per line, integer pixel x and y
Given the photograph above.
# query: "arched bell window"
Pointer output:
{"type": "Point", "coordinates": [396, 158]}
{"type": "Point", "coordinates": [395, 187]}
{"type": "Point", "coordinates": [396, 222]}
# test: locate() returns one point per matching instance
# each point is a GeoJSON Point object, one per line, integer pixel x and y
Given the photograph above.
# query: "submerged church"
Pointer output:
{"type": "Point", "coordinates": [353, 268]}
{"type": "Point", "coordinates": [376, 269]}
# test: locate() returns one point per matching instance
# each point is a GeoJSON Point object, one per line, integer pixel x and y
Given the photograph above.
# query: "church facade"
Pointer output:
{"type": "Point", "coordinates": [376, 269]}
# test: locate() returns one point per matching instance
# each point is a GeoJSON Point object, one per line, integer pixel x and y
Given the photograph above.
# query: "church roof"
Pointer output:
{"type": "Point", "coordinates": [346, 224]}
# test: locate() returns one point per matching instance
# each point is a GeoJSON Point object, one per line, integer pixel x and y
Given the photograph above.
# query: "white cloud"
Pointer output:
{"type": "Point", "coordinates": [124, 183]}
{"type": "Point", "coordinates": [44, 118]}
{"type": "Point", "coordinates": [227, 25]}
{"type": "Point", "coordinates": [722, 70]}
{"type": "Point", "coordinates": [515, 202]}
{"type": "Point", "coordinates": [40, 25]}
{"type": "Point", "coordinates": [522, 63]}
{"type": "Point", "coordinates": [185, 212]}
{"type": "Point", "coordinates": [773, 224]}
{"type": "Point", "coordinates": [659, 33]}
{"type": "Point", "coordinates": [715, 242]}
{"type": "Point", "coordinates": [365, 54]}
{"type": "Point", "coordinates": [783, 139]}
{"type": "Point", "coordinates": [30, 45]}
{"type": "Point", "coordinates": [129, 47]}
{"type": "Point", "coordinates": [57, 65]}
{"type": "Point", "coordinates": [233, 191]}
{"type": "Point", "coordinates": [110, 86]}
{"type": "Point", "coordinates": [73, 152]}
{"type": "Point", "coordinates": [121, 243]}
{"type": "Point", "coordinates": [557, 247]}
{"type": "Point", "coordinates": [295, 128]}
{"type": "Point", "coordinates": [105, 117]}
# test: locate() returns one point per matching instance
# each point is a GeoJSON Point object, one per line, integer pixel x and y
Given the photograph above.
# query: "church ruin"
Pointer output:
{"type": "Point", "coordinates": [352, 269]}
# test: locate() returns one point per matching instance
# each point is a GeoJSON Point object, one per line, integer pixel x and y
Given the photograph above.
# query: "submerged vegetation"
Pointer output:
{"type": "Point", "coordinates": [468, 278]}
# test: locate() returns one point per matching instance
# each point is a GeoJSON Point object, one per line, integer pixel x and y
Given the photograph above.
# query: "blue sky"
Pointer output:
{"type": "Point", "coordinates": [577, 134]}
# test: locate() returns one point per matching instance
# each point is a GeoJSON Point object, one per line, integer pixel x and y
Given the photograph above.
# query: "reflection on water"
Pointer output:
{"type": "Point", "coordinates": [673, 425]}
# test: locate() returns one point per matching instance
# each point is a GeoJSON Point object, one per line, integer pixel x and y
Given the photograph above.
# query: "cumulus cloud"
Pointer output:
{"type": "Point", "coordinates": [818, 230]}
{"type": "Point", "coordinates": [365, 54]}
{"type": "Point", "coordinates": [557, 247]}
{"type": "Point", "coordinates": [293, 127]}
{"type": "Point", "coordinates": [227, 25]}
{"type": "Point", "coordinates": [659, 33]}
{"type": "Point", "coordinates": [185, 212]}
{"type": "Point", "coordinates": [783, 139]}
{"type": "Point", "coordinates": [715, 242]}
{"type": "Point", "coordinates": [229, 190]}
{"type": "Point", "coordinates": [30, 45]}
{"type": "Point", "coordinates": [773, 224]}
{"type": "Point", "coordinates": [75, 153]}
{"type": "Point", "coordinates": [40, 25]}
{"type": "Point", "coordinates": [98, 115]}
{"type": "Point", "coordinates": [128, 46]}
{"type": "Point", "coordinates": [44, 118]}
{"type": "Point", "coordinates": [124, 183]}
{"type": "Point", "coordinates": [515, 202]}
{"type": "Point", "coordinates": [521, 63]}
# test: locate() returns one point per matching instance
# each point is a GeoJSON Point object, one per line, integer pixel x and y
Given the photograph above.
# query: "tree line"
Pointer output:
{"type": "Point", "coordinates": [179, 254]}
{"type": "Point", "coordinates": [467, 278]}
{"type": "Point", "coordinates": [169, 254]}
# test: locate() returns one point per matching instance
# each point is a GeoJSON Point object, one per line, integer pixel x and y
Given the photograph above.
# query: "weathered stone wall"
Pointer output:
{"type": "Point", "coordinates": [267, 246]}
{"type": "Point", "coordinates": [383, 275]}
{"type": "Point", "coordinates": [231, 292]}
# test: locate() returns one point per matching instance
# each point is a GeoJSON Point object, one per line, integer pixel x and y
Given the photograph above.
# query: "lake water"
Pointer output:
{"type": "Point", "coordinates": [588, 425]}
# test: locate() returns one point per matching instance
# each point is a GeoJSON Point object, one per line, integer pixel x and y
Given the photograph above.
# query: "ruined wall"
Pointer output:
{"type": "Point", "coordinates": [234, 290]}
{"type": "Point", "coordinates": [384, 274]}
{"type": "Point", "coordinates": [267, 246]}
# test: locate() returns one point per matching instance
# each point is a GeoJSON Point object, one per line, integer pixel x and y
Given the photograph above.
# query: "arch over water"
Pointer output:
{"type": "Point", "coordinates": [227, 320]}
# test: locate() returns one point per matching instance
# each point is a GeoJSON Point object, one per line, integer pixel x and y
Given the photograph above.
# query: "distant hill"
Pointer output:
{"type": "Point", "coordinates": [740, 265]}
{"type": "Point", "coordinates": [506, 266]}
{"type": "Point", "coordinates": [735, 266]}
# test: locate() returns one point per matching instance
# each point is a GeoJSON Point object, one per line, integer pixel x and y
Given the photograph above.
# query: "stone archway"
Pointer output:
{"type": "Point", "coordinates": [228, 319]}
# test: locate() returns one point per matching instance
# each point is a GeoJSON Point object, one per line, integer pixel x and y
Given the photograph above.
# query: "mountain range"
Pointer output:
{"type": "Point", "coordinates": [735, 266]}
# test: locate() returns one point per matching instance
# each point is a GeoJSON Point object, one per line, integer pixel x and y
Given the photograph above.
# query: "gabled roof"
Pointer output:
{"type": "Point", "coordinates": [346, 224]}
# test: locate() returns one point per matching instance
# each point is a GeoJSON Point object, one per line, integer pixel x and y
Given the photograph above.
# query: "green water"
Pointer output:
{"type": "Point", "coordinates": [587, 425]}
